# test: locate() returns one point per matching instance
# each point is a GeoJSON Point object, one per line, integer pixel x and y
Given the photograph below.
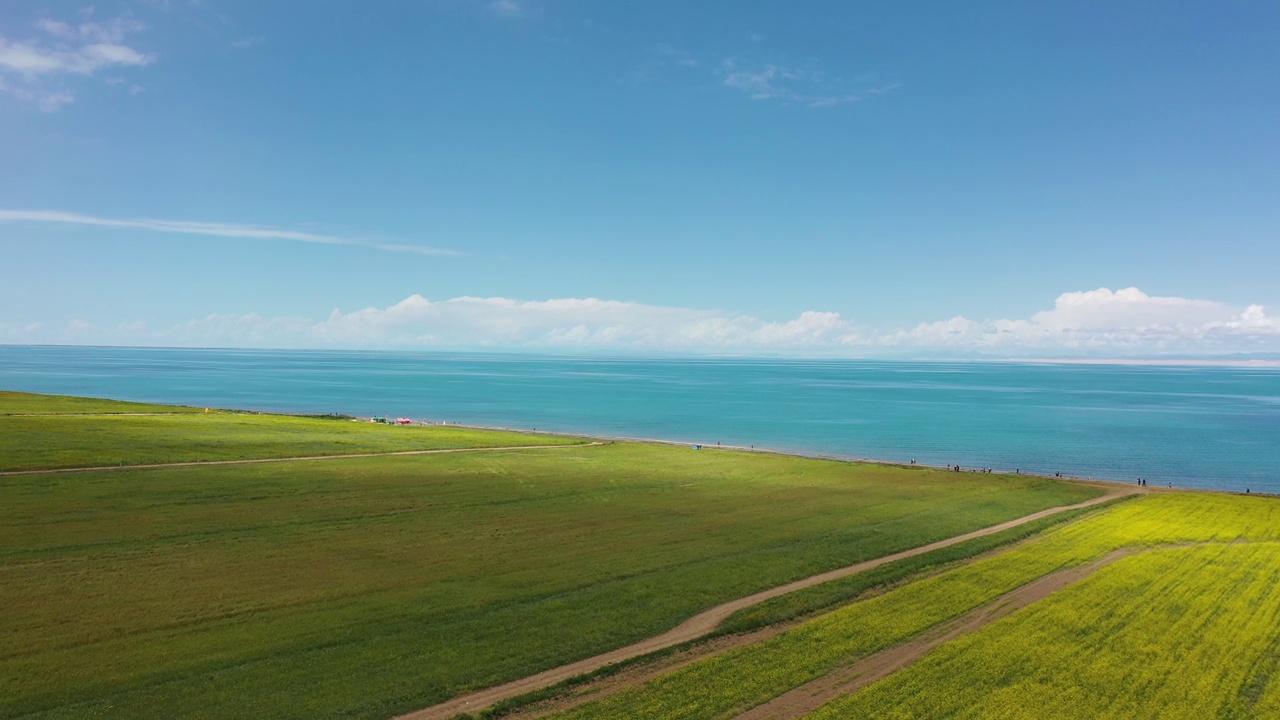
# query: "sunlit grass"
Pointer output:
{"type": "Point", "coordinates": [113, 438]}
{"type": "Point", "coordinates": [362, 588]}
{"type": "Point", "coordinates": [15, 403]}
{"type": "Point", "coordinates": [740, 679]}
{"type": "Point", "coordinates": [1191, 631]}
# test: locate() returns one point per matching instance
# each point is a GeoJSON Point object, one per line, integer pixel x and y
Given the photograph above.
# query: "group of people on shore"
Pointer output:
{"type": "Point", "coordinates": [956, 468]}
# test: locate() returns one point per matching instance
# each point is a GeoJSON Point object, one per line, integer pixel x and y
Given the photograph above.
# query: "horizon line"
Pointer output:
{"type": "Point", "coordinates": [1270, 360]}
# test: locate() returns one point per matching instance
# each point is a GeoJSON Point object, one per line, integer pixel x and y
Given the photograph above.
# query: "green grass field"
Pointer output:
{"type": "Point", "coordinates": [367, 587]}
{"type": "Point", "coordinates": [18, 403]}
{"type": "Point", "coordinates": [828, 595]}
{"type": "Point", "coordinates": [1192, 631]}
{"type": "Point", "coordinates": [29, 442]}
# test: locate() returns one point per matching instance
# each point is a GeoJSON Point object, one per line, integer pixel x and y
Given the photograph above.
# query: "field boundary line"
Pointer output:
{"type": "Point", "coordinates": [804, 699]}
{"type": "Point", "coordinates": [301, 458]}
{"type": "Point", "coordinates": [707, 621]}
{"type": "Point", "coordinates": [878, 665]}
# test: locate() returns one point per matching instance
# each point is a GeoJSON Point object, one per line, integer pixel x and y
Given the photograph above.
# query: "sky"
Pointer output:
{"type": "Point", "coordinates": [914, 179]}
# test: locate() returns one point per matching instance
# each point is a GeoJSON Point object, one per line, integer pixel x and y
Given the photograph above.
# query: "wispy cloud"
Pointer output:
{"type": "Point", "coordinates": [226, 230]}
{"type": "Point", "coordinates": [37, 68]}
{"type": "Point", "coordinates": [509, 8]}
{"type": "Point", "coordinates": [665, 54]}
{"type": "Point", "coordinates": [780, 80]}
{"type": "Point", "coordinates": [760, 83]}
{"type": "Point", "coordinates": [802, 85]}
{"type": "Point", "coordinates": [662, 60]}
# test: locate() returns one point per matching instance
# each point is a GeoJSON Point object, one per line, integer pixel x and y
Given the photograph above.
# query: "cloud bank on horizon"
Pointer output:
{"type": "Point", "coordinates": [1094, 323]}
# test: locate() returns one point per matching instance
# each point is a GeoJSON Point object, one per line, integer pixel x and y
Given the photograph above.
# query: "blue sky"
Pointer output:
{"type": "Point", "coordinates": [1027, 179]}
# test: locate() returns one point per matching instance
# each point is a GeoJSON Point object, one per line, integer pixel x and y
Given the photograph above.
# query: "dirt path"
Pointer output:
{"type": "Point", "coordinates": [642, 672]}
{"type": "Point", "coordinates": [807, 698]}
{"type": "Point", "coordinates": [205, 463]}
{"type": "Point", "coordinates": [706, 621]}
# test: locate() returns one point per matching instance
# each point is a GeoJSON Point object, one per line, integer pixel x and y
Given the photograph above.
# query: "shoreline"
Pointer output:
{"type": "Point", "coordinates": [1165, 486]}
{"type": "Point", "coordinates": [811, 455]}
{"type": "Point", "coordinates": [834, 457]}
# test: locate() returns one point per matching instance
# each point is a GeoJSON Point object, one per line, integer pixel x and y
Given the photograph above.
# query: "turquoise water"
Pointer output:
{"type": "Point", "coordinates": [1190, 426]}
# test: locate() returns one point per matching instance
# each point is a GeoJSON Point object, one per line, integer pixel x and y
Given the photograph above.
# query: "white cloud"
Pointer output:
{"type": "Point", "coordinates": [806, 86]}
{"type": "Point", "coordinates": [665, 54]}
{"type": "Point", "coordinates": [568, 322]}
{"type": "Point", "coordinates": [57, 29]}
{"type": "Point", "coordinates": [495, 322]}
{"type": "Point", "coordinates": [52, 102]}
{"type": "Point", "coordinates": [228, 230]}
{"type": "Point", "coordinates": [111, 31]}
{"type": "Point", "coordinates": [661, 60]}
{"type": "Point", "coordinates": [508, 8]}
{"type": "Point", "coordinates": [1126, 321]}
{"type": "Point", "coordinates": [761, 83]}
{"type": "Point", "coordinates": [1097, 323]}
{"type": "Point", "coordinates": [33, 69]}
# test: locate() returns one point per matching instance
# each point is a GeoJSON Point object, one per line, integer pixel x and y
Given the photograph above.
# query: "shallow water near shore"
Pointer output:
{"type": "Point", "coordinates": [1206, 427]}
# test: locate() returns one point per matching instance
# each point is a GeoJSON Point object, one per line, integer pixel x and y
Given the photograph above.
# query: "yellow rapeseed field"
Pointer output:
{"type": "Point", "coordinates": [1184, 624]}
{"type": "Point", "coordinates": [1173, 633]}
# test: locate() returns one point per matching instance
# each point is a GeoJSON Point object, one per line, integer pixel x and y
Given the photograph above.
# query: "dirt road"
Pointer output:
{"type": "Point", "coordinates": [707, 621]}
{"type": "Point", "coordinates": [809, 697]}
{"type": "Point", "coordinates": [205, 463]}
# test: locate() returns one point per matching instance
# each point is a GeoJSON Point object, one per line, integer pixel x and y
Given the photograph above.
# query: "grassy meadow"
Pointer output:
{"type": "Point", "coordinates": [1186, 627]}
{"type": "Point", "coordinates": [368, 587]}
{"type": "Point", "coordinates": [19, 403]}
{"type": "Point", "coordinates": [112, 437]}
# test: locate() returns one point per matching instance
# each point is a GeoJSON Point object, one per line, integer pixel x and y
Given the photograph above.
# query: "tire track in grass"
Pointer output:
{"type": "Point", "coordinates": [811, 696]}
{"type": "Point", "coordinates": [303, 458]}
{"type": "Point", "coordinates": [707, 621]}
